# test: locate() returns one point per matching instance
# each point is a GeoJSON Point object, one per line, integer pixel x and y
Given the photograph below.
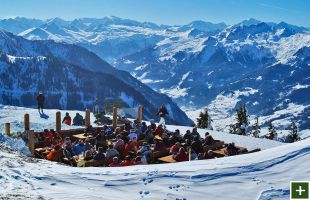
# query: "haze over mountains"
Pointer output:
{"type": "Point", "coordinates": [200, 64]}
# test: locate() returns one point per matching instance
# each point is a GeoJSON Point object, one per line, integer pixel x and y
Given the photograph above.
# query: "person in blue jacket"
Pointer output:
{"type": "Point", "coordinates": [78, 120]}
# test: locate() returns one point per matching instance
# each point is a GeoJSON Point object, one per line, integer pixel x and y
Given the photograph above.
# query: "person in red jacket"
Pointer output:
{"type": "Point", "coordinates": [67, 119]}
{"type": "Point", "coordinates": [127, 161]}
{"type": "Point", "coordinates": [181, 155]}
{"type": "Point", "coordinates": [175, 148]}
{"type": "Point", "coordinates": [115, 163]}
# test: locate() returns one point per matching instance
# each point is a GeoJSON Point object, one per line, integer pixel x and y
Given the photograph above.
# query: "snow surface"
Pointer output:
{"type": "Point", "coordinates": [262, 175]}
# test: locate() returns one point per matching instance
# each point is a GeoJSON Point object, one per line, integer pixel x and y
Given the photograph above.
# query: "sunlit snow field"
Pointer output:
{"type": "Point", "coordinates": [262, 175]}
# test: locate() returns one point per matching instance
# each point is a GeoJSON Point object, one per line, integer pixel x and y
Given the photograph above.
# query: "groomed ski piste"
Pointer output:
{"type": "Point", "coordinates": [262, 175]}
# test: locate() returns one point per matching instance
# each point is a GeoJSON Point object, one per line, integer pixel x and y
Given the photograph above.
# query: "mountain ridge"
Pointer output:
{"type": "Point", "coordinates": [78, 66]}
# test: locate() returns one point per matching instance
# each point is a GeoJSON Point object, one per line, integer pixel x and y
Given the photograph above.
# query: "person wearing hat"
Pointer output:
{"type": "Point", "coordinates": [40, 101]}
{"type": "Point", "coordinates": [158, 143]}
{"type": "Point", "coordinates": [115, 162]}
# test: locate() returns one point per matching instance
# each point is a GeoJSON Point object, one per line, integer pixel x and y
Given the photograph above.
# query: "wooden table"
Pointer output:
{"type": "Point", "coordinates": [221, 152]}
{"type": "Point", "coordinates": [42, 152]}
{"type": "Point", "coordinates": [82, 136]}
{"type": "Point", "coordinates": [167, 159]}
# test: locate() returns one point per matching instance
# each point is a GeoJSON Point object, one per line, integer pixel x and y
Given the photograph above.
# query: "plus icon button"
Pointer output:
{"type": "Point", "coordinates": [300, 190]}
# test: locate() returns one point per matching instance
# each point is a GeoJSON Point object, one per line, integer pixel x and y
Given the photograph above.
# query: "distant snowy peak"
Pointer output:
{"type": "Point", "coordinates": [248, 22]}
{"type": "Point", "coordinates": [202, 26]}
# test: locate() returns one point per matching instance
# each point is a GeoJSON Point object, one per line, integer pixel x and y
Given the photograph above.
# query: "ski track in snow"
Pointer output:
{"type": "Point", "coordinates": [262, 175]}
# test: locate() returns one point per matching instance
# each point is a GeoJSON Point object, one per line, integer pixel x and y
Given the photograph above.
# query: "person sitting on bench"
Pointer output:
{"type": "Point", "coordinates": [158, 144]}
{"type": "Point", "coordinates": [208, 141]}
{"type": "Point", "coordinates": [78, 120]}
{"type": "Point", "coordinates": [100, 155]}
{"type": "Point", "coordinates": [188, 136]}
{"type": "Point", "coordinates": [67, 119]}
{"type": "Point", "coordinates": [231, 150]}
{"type": "Point", "coordinates": [56, 154]}
{"type": "Point", "coordinates": [175, 148]}
{"type": "Point", "coordinates": [69, 154]}
{"type": "Point", "coordinates": [145, 148]}
{"type": "Point", "coordinates": [119, 144]}
{"type": "Point", "coordinates": [115, 163]}
{"type": "Point", "coordinates": [78, 147]}
{"type": "Point", "coordinates": [176, 137]}
{"type": "Point", "coordinates": [127, 161]}
{"type": "Point", "coordinates": [209, 155]}
{"type": "Point", "coordinates": [101, 141]}
{"type": "Point", "coordinates": [181, 155]}
{"type": "Point", "coordinates": [88, 157]}
{"type": "Point", "coordinates": [111, 152]}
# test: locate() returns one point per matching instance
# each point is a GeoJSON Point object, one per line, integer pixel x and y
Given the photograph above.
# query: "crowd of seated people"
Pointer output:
{"type": "Point", "coordinates": [134, 144]}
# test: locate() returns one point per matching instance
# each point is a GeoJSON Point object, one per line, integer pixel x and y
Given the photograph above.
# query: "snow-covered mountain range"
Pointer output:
{"type": "Point", "coordinates": [200, 64]}
{"type": "Point", "coordinates": [71, 77]}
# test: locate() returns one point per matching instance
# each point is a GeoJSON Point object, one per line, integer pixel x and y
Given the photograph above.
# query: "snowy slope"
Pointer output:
{"type": "Point", "coordinates": [262, 175]}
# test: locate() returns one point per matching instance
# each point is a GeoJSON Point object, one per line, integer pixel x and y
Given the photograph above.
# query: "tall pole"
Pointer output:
{"type": "Point", "coordinates": [7, 129]}
{"type": "Point", "coordinates": [31, 141]}
{"type": "Point", "coordinates": [26, 122]}
{"type": "Point", "coordinates": [140, 113]}
{"type": "Point", "coordinates": [58, 122]}
{"type": "Point", "coordinates": [114, 122]}
{"type": "Point", "coordinates": [87, 118]}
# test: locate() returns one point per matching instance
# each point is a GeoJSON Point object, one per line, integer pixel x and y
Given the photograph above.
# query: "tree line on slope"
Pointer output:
{"type": "Point", "coordinates": [242, 126]}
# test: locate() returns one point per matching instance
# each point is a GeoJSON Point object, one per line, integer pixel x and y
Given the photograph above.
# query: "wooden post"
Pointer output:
{"type": "Point", "coordinates": [140, 113]}
{"type": "Point", "coordinates": [58, 122]}
{"type": "Point", "coordinates": [7, 129]}
{"type": "Point", "coordinates": [31, 141]}
{"type": "Point", "coordinates": [26, 122]}
{"type": "Point", "coordinates": [114, 121]}
{"type": "Point", "coordinates": [87, 118]}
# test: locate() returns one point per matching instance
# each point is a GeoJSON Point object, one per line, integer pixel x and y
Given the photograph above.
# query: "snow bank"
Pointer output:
{"type": "Point", "coordinates": [261, 175]}
{"type": "Point", "coordinates": [15, 144]}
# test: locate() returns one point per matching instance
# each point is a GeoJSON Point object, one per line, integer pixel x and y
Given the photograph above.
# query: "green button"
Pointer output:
{"type": "Point", "coordinates": [299, 190]}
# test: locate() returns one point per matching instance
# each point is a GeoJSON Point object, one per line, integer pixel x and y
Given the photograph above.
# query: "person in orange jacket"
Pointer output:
{"type": "Point", "coordinates": [55, 154]}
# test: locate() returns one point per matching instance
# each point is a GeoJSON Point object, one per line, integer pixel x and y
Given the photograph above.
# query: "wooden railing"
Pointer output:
{"type": "Point", "coordinates": [64, 133]}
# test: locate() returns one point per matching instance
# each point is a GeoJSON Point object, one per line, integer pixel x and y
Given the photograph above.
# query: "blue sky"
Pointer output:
{"type": "Point", "coordinates": [163, 11]}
